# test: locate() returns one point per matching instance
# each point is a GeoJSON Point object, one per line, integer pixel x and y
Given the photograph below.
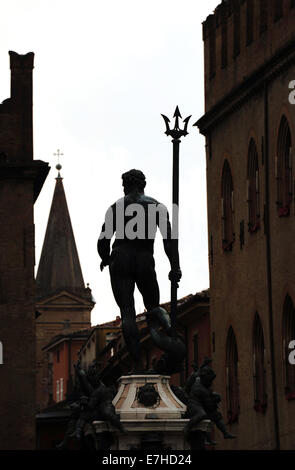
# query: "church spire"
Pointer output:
{"type": "Point", "coordinates": [59, 266]}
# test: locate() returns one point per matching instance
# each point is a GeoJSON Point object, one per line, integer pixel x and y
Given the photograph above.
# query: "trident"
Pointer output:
{"type": "Point", "coordinates": [176, 134]}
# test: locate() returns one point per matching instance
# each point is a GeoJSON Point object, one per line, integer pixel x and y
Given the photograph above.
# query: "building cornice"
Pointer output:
{"type": "Point", "coordinates": [36, 171]}
{"type": "Point", "coordinates": [250, 86]}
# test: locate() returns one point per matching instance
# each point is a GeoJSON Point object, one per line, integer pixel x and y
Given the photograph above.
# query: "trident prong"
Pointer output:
{"type": "Point", "coordinates": [167, 121]}
{"type": "Point", "coordinates": [186, 124]}
{"type": "Point", "coordinates": [176, 133]}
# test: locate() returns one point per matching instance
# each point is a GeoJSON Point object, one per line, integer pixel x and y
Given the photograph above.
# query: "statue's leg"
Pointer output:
{"type": "Point", "coordinates": [131, 336]}
{"type": "Point", "coordinates": [217, 418]}
{"type": "Point", "coordinates": [157, 318]}
{"type": "Point", "coordinates": [146, 280]}
{"type": "Point", "coordinates": [80, 428]}
{"type": "Point", "coordinates": [107, 412]}
{"type": "Point", "coordinates": [123, 286]}
{"type": "Point", "coordinates": [222, 427]}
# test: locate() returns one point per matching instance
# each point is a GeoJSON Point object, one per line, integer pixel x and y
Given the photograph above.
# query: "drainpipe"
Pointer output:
{"type": "Point", "coordinates": [185, 328]}
{"type": "Point", "coordinates": [269, 268]}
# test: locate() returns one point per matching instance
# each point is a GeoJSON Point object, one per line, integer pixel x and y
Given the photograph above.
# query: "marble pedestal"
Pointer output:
{"type": "Point", "coordinates": [148, 426]}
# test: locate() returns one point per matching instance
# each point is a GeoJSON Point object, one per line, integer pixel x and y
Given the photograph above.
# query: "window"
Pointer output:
{"type": "Point", "coordinates": [50, 378]}
{"type": "Point", "coordinates": [224, 44]}
{"type": "Point", "coordinates": [237, 29]}
{"type": "Point", "coordinates": [263, 15]}
{"type": "Point", "coordinates": [253, 188]}
{"type": "Point", "coordinates": [250, 21]}
{"type": "Point", "coordinates": [278, 9]}
{"type": "Point", "coordinates": [227, 208]}
{"type": "Point", "coordinates": [283, 169]}
{"type": "Point", "coordinates": [61, 391]}
{"type": "Point", "coordinates": [57, 391]}
{"type": "Point", "coordinates": [259, 373]}
{"type": "Point", "coordinates": [288, 336]}
{"type": "Point", "coordinates": [232, 385]}
{"type": "Point", "coordinates": [212, 52]}
{"type": "Point", "coordinates": [3, 291]}
{"type": "Point", "coordinates": [196, 350]}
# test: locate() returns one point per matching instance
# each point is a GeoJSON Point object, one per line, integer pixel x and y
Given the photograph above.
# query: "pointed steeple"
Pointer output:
{"type": "Point", "coordinates": [59, 266]}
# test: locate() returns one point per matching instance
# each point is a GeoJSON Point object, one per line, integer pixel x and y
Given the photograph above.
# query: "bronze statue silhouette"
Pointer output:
{"type": "Point", "coordinates": [131, 263]}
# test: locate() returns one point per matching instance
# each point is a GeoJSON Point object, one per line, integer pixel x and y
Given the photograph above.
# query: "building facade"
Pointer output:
{"type": "Point", "coordinates": [63, 352]}
{"type": "Point", "coordinates": [250, 134]}
{"type": "Point", "coordinates": [21, 181]}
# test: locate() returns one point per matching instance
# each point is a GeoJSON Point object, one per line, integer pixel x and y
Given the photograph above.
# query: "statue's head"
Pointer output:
{"type": "Point", "coordinates": [207, 375]}
{"type": "Point", "coordinates": [133, 180]}
{"type": "Point", "coordinates": [93, 374]}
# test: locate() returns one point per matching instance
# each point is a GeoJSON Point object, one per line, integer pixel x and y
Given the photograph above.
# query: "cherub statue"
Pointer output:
{"type": "Point", "coordinates": [203, 402]}
{"type": "Point", "coordinates": [99, 406]}
{"type": "Point", "coordinates": [94, 404]}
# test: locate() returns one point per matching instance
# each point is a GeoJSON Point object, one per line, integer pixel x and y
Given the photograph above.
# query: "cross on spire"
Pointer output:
{"type": "Point", "coordinates": [58, 166]}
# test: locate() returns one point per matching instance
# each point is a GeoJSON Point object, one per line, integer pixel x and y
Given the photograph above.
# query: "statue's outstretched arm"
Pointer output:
{"type": "Point", "coordinates": [85, 385]}
{"type": "Point", "coordinates": [165, 229]}
{"type": "Point", "coordinates": [104, 240]}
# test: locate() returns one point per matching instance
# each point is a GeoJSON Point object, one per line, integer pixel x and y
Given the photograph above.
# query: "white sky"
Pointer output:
{"type": "Point", "coordinates": [104, 73]}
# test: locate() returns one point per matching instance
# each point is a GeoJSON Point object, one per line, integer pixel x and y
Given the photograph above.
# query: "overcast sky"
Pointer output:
{"type": "Point", "coordinates": [104, 73]}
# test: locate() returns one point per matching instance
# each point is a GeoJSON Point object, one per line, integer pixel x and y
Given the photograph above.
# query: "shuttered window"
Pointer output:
{"type": "Point", "coordinates": [283, 169]}
{"type": "Point", "coordinates": [259, 372]}
{"type": "Point", "coordinates": [253, 189]}
{"type": "Point", "coordinates": [227, 208]}
{"type": "Point", "coordinates": [288, 336]}
{"type": "Point", "coordinates": [232, 384]}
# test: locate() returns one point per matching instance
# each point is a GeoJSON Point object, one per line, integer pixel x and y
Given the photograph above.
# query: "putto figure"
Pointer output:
{"type": "Point", "coordinates": [94, 403]}
{"type": "Point", "coordinates": [134, 219]}
{"type": "Point", "coordinates": [203, 403]}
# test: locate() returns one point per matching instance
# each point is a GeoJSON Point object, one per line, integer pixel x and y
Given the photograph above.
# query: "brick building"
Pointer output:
{"type": "Point", "coordinates": [21, 181]}
{"type": "Point", "coordinates": [100, 337]}
{"type": "Point", "coordinates": [64, 304]}
{"type": "Point", "coordinates": [249, 49]}
{"type": "Point", "coordinates": [63, 352]}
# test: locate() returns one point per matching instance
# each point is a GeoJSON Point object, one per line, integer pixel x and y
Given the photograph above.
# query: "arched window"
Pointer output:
{"type": "Point", "coordinates": [278, 9]}
{"type": "Point", "coordinates": [259, 373]}
{"type": "Point", "coordinates": [1, 353]}
{"type": "Point", "coordinates": [237, 28]}
{"type": "Point", "coordinates": [224, 42]}
{"type": "Point", "coordinates": [288, 336]}
{"type": "Point", "coordinates": [232, 384]}
{"type": "Point", "coordinates": [250, 21]}
{"type": "Point", "coordinates": [212, 45]}
{"type": "Point", "coordinates": [284, 169]}
{"type": "Point", "coordinates": [253, 188]}
{"type": "Point", "coordinates": [227, 208]}
{"type": "Point", "coordinates": [263, 15]}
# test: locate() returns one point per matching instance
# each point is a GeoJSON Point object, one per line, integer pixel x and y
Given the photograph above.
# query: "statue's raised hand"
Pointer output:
{"type": "Point", "coordinates": [175, 275]}
{"type": "Point", "coordinates": [104, 263]}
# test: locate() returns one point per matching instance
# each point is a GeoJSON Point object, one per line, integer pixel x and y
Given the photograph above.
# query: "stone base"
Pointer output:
{"type": "Point", "coordinates": [160, 434]}
{"type": "Point", "coordinates": [128, 404]}
{"type": "Point", "coordinates": [152, 416]}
